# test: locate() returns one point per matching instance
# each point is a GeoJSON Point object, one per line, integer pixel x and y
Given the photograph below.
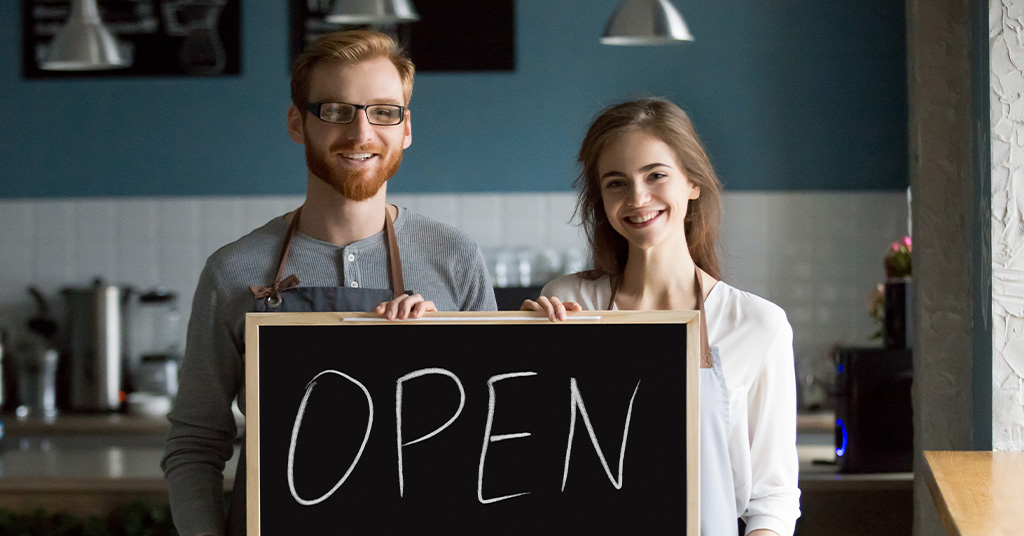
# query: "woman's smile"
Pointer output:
{"type": "Point", "coordinates": [643, 219]}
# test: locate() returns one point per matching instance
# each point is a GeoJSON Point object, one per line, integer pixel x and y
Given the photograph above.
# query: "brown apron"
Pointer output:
{"type": "Point", "coordinates": [286, 296]}
{"type": "Point", "coordinates": [718, 516]}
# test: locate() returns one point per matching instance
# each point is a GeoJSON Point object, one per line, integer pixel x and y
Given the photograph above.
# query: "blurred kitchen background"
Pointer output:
{"type": "Point", "coordinates": [802, 105]}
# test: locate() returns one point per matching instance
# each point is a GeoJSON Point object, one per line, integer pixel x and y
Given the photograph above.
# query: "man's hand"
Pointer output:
{"type": "Point", "coordinates": [405, 306]}
{"type": "Point", "coordinates": [552, 306]}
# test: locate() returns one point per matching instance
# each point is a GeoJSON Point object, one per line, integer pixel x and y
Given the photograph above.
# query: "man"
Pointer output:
{"type": "Point", "coordinates": [344, 249]}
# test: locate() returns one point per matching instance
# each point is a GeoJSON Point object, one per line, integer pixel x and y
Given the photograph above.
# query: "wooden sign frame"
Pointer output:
{"type": "Point", "coordinates": [256, 321]}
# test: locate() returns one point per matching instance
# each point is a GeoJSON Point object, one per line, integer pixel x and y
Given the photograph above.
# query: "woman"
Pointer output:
{"type": "Point", "coordinates": [650, 203]}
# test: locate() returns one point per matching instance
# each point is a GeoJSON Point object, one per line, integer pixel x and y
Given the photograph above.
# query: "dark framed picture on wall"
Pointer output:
{"type": "Point", "coordinates": [117, 38]}
{"type": "Point", "coordinates": [450, 35]}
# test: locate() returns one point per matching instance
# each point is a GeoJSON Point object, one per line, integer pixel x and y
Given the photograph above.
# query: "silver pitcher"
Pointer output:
{"type": "Point", "coordinates": [95, 347]}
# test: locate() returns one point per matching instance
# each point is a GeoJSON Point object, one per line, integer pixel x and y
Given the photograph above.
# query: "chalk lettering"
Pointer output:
{"type": "Point", "coordinates": [576, 401]}
{"type": "Point", "coordinates": [295, 438]}
{"type": "Point", "coordinates": [398, 416]}
{"type": "Point", "coordinates": [488, 438]}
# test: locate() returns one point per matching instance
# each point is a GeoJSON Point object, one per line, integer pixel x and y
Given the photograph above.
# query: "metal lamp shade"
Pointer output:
{"type": "Point", "coordinates": [84, 44]}
{"type": "Point", "coordinates": [372, 11]}
{"type": "Point", "coordinates": [646, 22]}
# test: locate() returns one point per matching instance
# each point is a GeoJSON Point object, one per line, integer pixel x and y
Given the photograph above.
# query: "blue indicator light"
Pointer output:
{"type": "Point", "coordinates": [842, 428]}
{"type": "Point", "coordinates": [840, 369]}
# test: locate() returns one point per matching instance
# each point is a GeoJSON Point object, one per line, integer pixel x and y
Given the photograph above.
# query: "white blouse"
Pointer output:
{"type": "Point", "coordinates": [755, 342]}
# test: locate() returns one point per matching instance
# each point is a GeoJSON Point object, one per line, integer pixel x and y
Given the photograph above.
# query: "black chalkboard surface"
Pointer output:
{"type": "Point", "coordinates": [466, 423]}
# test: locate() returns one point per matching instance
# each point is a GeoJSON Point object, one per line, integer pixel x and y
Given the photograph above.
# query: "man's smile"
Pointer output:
{"type": "Point", "coordinates": [358, 156]}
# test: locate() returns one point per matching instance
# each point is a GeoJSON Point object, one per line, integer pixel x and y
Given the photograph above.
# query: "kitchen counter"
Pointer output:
{"type": "Point", "coordinates": [91, 464]}
{"type": "Point", "coordinates": [98, 424]}
{"type": "Point", "coordinates": [823, 422]}
{"type": "Point", "coordinates": [817, 453]}
{"type": "Point", "coordinates": [95, 424]}
{"type": "Point", "coordinates": [84, 478]}
{"type": "Point", "coordinates": [840, 504]}
{"type": "Point", "coordinates": [85, 464]}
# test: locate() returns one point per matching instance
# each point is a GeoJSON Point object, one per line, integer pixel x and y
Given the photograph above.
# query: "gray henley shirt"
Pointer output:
{"type": "Point", "coordinates": [440, 262]}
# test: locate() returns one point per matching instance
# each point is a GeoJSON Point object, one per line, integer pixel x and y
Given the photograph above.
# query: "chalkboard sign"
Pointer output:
{"type": "Point", "coordinates": [464, 423]}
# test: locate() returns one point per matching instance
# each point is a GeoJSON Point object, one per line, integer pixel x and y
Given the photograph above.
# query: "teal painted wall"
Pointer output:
{"type": "Point", "coordinates": [787, 95]}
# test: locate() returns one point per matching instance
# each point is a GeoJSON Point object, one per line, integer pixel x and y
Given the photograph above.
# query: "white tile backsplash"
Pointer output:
{"type": "Point", "coordinates": [483, 217]}
{"type": "Point", "coordinates": [54, 247]}
{"type": "Point", "coordinates": [443, 208]}
{"type": "Point", "coordinates": [563, 233]}
{"type": "Point", "coordinates": [525, 220]}
{"type": "Point", "coordinates": [95, 239]}
{"type": "Point", "coordinates": [220, 222]}
{"type": "Point", "coordinates": [138, 232]}
{"type": "Point", "coordinates": [816, 254]}
{"type": "Point", "coordinates": [17, 239]}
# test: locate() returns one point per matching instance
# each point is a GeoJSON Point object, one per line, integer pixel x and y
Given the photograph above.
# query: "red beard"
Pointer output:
{"type": "Point", "coordinates": [357, 185]}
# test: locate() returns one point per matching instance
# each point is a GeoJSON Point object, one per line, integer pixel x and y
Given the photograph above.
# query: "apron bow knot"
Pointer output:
{"type": "Point", "coordinates": [289, 282]}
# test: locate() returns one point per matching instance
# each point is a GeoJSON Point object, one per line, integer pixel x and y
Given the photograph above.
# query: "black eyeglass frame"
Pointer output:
{"type": "Point", "coordinates": [314, 108]}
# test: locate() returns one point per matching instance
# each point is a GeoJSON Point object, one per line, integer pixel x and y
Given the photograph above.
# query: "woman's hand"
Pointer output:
{"type": "Point", "coordinates": [552, 306]}
{"type": "Point", "coordinates": [405, 306]}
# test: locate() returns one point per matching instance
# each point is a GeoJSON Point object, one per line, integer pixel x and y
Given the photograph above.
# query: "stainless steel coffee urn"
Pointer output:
{"type": "Point", "coordinates": [91, 376]}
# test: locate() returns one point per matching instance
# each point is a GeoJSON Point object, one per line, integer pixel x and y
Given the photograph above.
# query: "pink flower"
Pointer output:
{"type": "Point", "coordinates": [895, 246]}
{"type": "Point", "coordinates": [906, 241]}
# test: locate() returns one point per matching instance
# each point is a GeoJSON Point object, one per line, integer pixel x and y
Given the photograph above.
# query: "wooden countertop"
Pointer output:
{"type": "Point", "coordinates": [977, 492]}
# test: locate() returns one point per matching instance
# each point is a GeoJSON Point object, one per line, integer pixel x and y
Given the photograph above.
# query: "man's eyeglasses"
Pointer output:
{"type": "Point", "coordinates": [342, 112]}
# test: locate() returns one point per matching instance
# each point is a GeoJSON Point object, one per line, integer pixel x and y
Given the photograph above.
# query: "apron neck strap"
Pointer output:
{"type": "Point", "coordinates": [284, 251]}
{"type": "Point", "coordinates": [273, 293]}
{"type": "Point", "coordinates": [397, 283]}
{"type": "Point", "coordinates": [705, 345]}
{"type": "Point", "coordinates": [705, 348]}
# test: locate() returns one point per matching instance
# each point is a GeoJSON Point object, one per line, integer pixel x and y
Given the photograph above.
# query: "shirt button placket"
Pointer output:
{"type": "Point", "coordinates": [351, 268]}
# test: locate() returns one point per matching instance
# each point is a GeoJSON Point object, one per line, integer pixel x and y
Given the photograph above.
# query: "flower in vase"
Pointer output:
{"type": "Point", "coordinates": [897, 262]}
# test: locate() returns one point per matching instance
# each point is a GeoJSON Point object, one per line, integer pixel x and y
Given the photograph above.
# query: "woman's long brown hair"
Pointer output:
{"type": "Point", "coordinates": [671, 125]}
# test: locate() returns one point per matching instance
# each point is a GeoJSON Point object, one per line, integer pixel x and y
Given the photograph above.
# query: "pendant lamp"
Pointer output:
{"type": "Point", "coordinates": [372, 12]}
{"type": "Point", "coordinates": [84, 44]}
{"type": "Point", "coordinates": [645, 22]}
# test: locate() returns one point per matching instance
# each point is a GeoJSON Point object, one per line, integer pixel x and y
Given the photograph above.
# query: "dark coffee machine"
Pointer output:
{"type": "Point", "coordinates": [874, 420]}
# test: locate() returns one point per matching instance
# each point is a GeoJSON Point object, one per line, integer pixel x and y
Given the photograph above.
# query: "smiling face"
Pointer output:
{"type": "Point", "coordinates": [357, 158]}
{"type": "Point", "coordinates": [644, 190]}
